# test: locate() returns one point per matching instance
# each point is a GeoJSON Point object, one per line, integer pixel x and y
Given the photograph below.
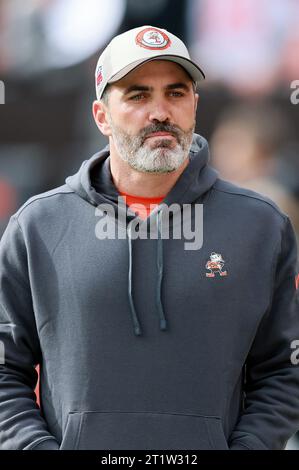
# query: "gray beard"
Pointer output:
{"type": "Point", "coordinates": [160, 158]}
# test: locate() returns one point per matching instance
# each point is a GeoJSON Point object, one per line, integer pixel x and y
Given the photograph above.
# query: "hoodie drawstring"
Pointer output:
{"type": "Point", "coordinates": [161, 314]}
{"type": "Point", "coordinates": [163, 323]}
{"type": "Point", "coordinates": [136, 324]}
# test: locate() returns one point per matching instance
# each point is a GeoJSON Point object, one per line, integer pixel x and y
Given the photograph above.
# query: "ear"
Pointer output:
{"type": "Point", "coordinates": [99, 112]}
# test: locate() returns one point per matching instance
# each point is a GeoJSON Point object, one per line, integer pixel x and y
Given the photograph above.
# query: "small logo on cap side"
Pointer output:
{"type": "Point", "coordinates": [99, 75]}
{"type": "Point", "coordinates": [152, 38]}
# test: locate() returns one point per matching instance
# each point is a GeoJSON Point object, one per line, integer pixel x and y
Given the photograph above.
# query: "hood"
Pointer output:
{"type": "Point", "coordinates": [93, 183]}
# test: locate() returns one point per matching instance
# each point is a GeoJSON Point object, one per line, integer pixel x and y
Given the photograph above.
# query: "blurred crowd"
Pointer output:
{"type": "Point", "coordinates": [248, 49]}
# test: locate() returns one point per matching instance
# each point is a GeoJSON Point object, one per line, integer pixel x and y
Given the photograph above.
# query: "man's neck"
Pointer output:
{"type": "Point", "coordinates": [130, 181]}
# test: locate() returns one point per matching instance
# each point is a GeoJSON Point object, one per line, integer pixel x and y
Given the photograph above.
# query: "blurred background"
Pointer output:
{"type": "Point", "coordinates": [249, 50]}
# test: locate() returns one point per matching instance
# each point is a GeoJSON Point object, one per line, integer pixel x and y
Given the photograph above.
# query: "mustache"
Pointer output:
{"type": "Point", "coordinates": [160, 127]}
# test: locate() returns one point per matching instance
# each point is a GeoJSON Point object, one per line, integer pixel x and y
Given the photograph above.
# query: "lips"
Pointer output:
{"type": "Point", "coordinates": [159, 134]}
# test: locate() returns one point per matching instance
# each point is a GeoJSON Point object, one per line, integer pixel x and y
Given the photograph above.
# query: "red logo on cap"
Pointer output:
{"type": "Point", "coordinates": [99, 75]}
{"type": "Point", "coordinates": [152, 38]}
{"type": "Point", "coordinates": [297, 281]}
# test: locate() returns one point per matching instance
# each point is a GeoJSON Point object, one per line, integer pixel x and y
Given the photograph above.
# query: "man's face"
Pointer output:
{"type": "Point", "coordinates": [151, 117]}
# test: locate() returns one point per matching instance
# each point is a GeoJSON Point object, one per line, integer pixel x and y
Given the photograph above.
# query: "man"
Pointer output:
{"type": "Point", "coordinates": [144, 342]}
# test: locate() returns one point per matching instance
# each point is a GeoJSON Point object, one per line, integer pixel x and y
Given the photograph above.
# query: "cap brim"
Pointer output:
{"type": "Point", "coordinates": [191, 67]}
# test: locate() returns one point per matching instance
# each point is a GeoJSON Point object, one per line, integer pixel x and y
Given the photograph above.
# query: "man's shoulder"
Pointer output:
{"type": "Point", "coordinates": [247, 199]}
{"type": "Point", "coordinates": [43, 200]}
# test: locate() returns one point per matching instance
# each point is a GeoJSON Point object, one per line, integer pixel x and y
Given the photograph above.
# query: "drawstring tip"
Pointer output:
{"type": "Point", "coordinates": [137, 330]}
{"type": "Point", "coordinates": [163, 325]}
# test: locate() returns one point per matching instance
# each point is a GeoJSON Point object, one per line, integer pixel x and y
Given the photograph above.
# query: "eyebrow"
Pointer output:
{"type": "Point", "coordinates": [171, 86]}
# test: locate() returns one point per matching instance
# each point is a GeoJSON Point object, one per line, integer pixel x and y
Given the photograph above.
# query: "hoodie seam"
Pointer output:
{"type": "Point", "coordinates": [205, 197]}
{"type": "Point", "coordinates": [254, 441]}
{"type": "Point", "coordinates": [38, 198]}
{"type": "Point", "coordinates": [15, 218]}
{"type": "Point", "coordinates": [147, 412]}
{"type": "Point", "coordinates": [283, 216]}
{"type": "Point", "coordinates": [188, 186]}
{"type": "Point", "coordinates": [277, 253]}
{"type": "Point", "coordinates": [239, 443]}
{"type": "Point", "coordinates": [25, 285]}
{"type": "Point", "coordinates": [36, 443]}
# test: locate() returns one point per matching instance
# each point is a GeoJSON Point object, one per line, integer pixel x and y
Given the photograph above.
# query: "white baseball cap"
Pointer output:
{"type": "Point", "coordinates": [139, 45]}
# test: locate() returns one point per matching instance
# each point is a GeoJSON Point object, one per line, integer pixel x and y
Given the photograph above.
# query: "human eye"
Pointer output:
{"type": "Point", "coordinates": [137, 97]}
{"type": "Point", "coordinates": [176, 93]}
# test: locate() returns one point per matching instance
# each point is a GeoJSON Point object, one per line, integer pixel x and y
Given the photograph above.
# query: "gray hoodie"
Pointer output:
{"type": "Point", "coordinates": [142, 343]}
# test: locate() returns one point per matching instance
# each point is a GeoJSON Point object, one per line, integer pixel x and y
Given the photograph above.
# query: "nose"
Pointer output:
{"type": "Point", "coordinates": [159, 112]}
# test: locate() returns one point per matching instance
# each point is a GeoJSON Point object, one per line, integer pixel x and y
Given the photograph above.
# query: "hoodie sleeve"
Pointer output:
{"type": "Point", "coordinates": [21, 423]}
{"type": "Point", "coordinates": [271, 403]}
